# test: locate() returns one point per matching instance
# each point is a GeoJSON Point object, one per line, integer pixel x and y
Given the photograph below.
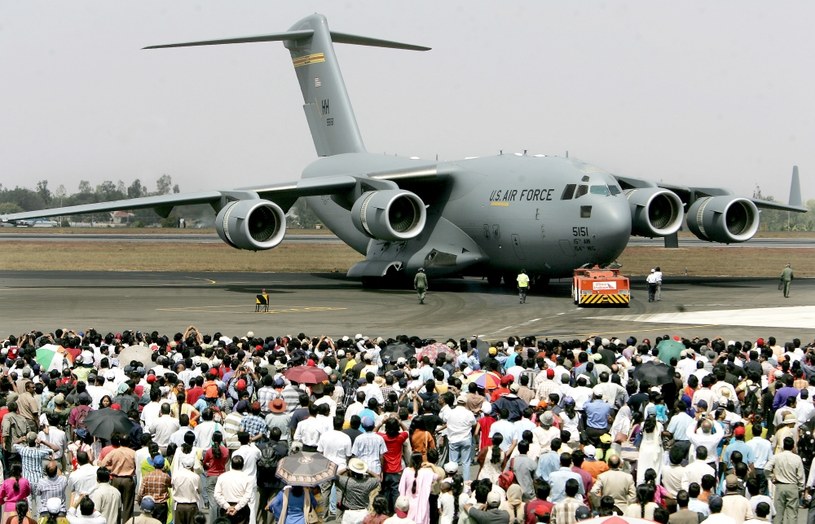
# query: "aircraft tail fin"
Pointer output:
{"type": "Point", "coordinates": [795, 188]}
{"type": "Point", "coordinates": [327, 105]}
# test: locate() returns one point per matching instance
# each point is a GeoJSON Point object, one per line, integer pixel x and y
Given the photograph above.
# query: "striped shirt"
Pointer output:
{"type": "Point", "coordinates": [48, 488]}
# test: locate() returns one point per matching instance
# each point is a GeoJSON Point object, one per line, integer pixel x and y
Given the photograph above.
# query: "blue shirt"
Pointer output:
{"type": "Point", "coordinates": [679, 424]}
{"type": "Point", "coordinates": [740, 446]}
{"type": "Point", "coordinates": [547, 463]}
{"type": "Point", "coordinates": [557, 479]}
{"type": "Point", "coordinates": [597, 412]}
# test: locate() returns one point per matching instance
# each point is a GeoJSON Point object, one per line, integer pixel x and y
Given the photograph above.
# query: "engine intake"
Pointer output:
{"type": "Point", "coordinates": [723, 219]}
{"type": "Point", "coordinates": [251, 224]}
{"type": "Point", "coordinates": [655, 212]}
{"type": "Point", "coordinates": [390, 214]}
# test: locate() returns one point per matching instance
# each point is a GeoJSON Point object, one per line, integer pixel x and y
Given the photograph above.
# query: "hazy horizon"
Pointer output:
{"type": "Point", "coordinates": [695, 93]}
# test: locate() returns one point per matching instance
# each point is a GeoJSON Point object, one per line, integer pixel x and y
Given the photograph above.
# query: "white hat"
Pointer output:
{"type": "Point", "coordinates": [250, 334]}
{"type": "Point", "coordinates": [493, 498]}
{"type": "Point", "coordinates": [187, 461]}
{"type": "Point", "coordinates": [401, 360]}
{"type": "Point", "coordinates": [462, 399]}
{"type": "Point", "coordinates": [357, 466]}
{"type": "Point", "coordinates": [358, 336]}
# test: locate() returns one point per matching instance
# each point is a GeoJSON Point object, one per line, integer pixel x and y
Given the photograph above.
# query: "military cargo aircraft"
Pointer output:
{"type": "Point", "coordinates": [487, 216]}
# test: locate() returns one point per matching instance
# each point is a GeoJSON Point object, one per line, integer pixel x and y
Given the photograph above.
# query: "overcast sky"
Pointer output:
{"type": "Point", "coordinates": [699, 93]}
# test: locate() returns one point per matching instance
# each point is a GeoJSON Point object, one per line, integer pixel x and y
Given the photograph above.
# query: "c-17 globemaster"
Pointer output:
{"type": "Point", "coordinates": [487, 216]}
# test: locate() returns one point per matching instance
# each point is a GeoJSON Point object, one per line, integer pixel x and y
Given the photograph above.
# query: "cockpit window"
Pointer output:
{"type": "Point", "coordinates": [600, 190]}
{"type": "Point", "coordinates": [614, 190]}
{"type": "Point", "coordinates": [568, 192]}
{"type": "Point", "coordinates": [581, 190]}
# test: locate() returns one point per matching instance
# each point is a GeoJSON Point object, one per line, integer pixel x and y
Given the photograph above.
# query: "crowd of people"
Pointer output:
{"type": "Point", "coordinates": [516, 431]}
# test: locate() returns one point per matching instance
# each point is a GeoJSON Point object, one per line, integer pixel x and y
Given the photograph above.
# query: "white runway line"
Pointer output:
{"type": "Point", "coordinates": [798, 317]}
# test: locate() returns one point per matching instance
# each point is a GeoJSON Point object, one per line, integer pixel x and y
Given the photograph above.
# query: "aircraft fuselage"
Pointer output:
{"type": "Point", "coordinates": [548, 215]}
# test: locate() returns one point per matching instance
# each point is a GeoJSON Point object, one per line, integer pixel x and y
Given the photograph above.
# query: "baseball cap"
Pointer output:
{"type": "Point", "coordinates": [187, 461]}
{"type": "Point", "coordinates": [158, 462]}
{"type": "Point", "coordinates": [367, 422]}
{"type": "Point", "coordinates": [148, 504]}
{"type": "Point", "coordinates": [550, 373]}
{"type": "Point", "coordinates": [493, 498]}
{"type": "Point", "coordinates": [582, 513]}
{"type": "Point", "coordinates": [739, 431]}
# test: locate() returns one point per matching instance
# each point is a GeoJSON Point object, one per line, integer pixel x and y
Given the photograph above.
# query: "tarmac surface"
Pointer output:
{"type": "Point", "coordinates": [330, 304]}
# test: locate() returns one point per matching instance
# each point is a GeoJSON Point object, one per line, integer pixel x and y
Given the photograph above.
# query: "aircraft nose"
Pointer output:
{"type": "Point", "coordinates": [612, 220]}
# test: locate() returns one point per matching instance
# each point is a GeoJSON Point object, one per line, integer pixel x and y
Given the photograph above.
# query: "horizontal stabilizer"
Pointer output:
{"type": "Point", "coordinates": [272, 37]}
{"type": "Point", "coordinates": [769, 204]}
{"type": "Point", "coordinates": [345, 38]}
{"type": "Point", "coordinates": [300, 34]}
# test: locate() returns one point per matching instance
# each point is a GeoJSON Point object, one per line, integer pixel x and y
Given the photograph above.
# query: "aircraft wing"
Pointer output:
{"type": "Point", "coordinates": [689, 193]}
{"type": "Point", "coordinates": [163, 204]}
{"type": "Point", "coordinates": [283, 194]}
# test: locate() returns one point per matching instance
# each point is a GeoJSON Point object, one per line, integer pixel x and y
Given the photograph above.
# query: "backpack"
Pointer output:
{"type": "Point", "coordinates": [752, 400]}
{"type": "Point", "coordinates": [211, 389]}
{"type": "Point", "coordinates": [506, 479]}
{"type": "Point", "coordinates": [82, 414]}
{"type": "Point", "coordinates": [267, 463]}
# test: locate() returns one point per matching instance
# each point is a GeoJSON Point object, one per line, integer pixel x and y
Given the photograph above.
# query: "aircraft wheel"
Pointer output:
{"type": "Point", "coordinates": [494, 279]}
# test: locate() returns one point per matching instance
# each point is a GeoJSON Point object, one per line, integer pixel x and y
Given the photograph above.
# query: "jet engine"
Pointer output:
{"type": "Point", "coordinates": [390, 214]}
{"type": "Point", "coordinates": [251, 224]}
{"type": "Point", "coordinates": [723, 219]}
{"type": "Point", "coordinates": [655, 212]}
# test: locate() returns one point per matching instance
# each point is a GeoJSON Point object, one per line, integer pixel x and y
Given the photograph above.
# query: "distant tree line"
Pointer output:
{"type": "Point", "coordinates": [21, 199]}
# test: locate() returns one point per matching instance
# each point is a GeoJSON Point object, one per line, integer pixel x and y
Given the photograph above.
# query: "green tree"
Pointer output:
{"type": "Point", "coordinates": [164, 184]}
{"type": "Point", "coordinates": [9, 207]}
{"type": "Point", "coordinates": [136, 189]}
{"type": "Point", "coordinates": [44, 192]}
{"type": "Point", "coordinates": [85, 187]}
{"type": "Point", "coordinates": [107, 191]}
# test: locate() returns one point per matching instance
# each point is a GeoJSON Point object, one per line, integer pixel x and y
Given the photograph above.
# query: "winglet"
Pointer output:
{"type": "Point", "coordinates": [795, 189]}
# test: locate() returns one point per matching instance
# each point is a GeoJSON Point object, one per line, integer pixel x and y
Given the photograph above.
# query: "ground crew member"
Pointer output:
{"type": "Point", "coordinates": [420, 284]}
{"type": "Point", "coordinates": [651, 279]}
{"type": "Point", "coordinates": [786, 280]}
{"type": "Point", "coordinates": [523, 286]}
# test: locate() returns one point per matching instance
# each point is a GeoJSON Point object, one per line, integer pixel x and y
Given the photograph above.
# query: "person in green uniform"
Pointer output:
{"type": "Point", "coordinates": [786, 280]}
{"type": "Point", "coordinates": [420, 284]}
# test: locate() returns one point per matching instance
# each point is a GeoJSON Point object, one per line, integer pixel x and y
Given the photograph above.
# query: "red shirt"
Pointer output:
{"type": "Point", "coordinates": [193, 394]}
{"type": "Point", "coordinates": [393, 457]}
{"type": "Point", "coordinates": [532, 505]}
{"type": "Point", "coordinates": [215, 466]}
{"type": "Point", "coordinates": [485, 423]}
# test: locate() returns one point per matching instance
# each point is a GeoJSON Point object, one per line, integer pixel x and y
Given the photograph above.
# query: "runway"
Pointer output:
{"type": "Point", "coordinates": [330, 304]}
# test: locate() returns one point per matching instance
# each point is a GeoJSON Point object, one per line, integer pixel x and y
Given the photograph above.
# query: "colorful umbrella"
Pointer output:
{"type": "Point", "coordinates": [432, 351]}
{"type": "Point", "coordinates": [306, 375]}
{"type": "Point", "coordinates": [486, 380]}
{"type": "Point", "coordinates": [51, 356]}
{"type": "Point", "coordinates": [306, 469]}
{"type": "Point", "coordinates": [669, 349]}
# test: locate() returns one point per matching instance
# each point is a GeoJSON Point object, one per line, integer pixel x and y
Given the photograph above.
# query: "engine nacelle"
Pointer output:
{"type": "Point", "coordinates": [723, 219]}
{"type": "Point", "coordinates": [251, 224]}
{"type": "Point", "coordinates": [390, 214]}
{"type": "Point", "coordinates": [655, 212]}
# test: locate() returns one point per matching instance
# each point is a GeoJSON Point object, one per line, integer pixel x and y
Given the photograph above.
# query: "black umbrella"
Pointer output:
{"type": "Point", "coordinates": [398, 350]}
{"type": "Point", "coordinates": [306, 469]}
{"type": "Point", "coordinates": [655, 373]}
{"type": "Point", "coordinates": [105, 422]}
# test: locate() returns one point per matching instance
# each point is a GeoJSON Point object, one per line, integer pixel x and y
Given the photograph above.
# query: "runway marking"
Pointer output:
{"type": "Point", "coordinates": [209, 280]}
{"type": "Point", "coordinates": [515, 326]}
{"type": "Point", "coordinates": [244, 310]}
{"type": "Point", "coordinates": [795, 317]}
